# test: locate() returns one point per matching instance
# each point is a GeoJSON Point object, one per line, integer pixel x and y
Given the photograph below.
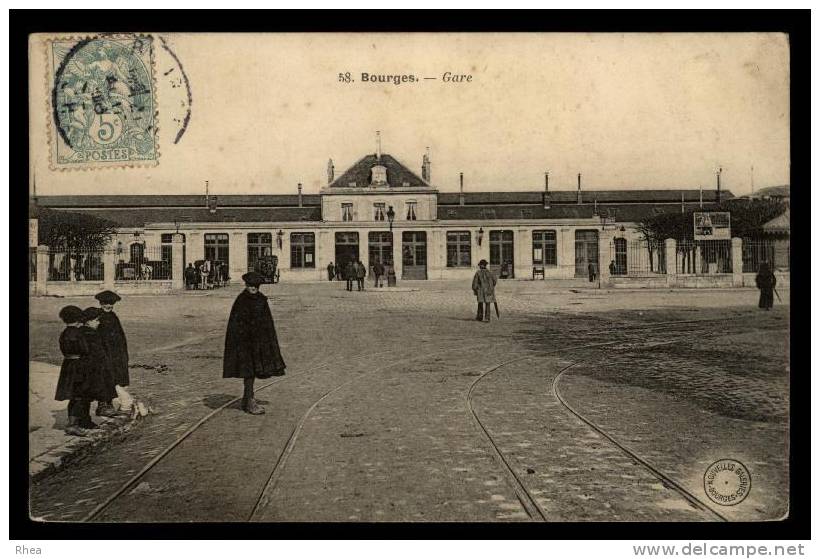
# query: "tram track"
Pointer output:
{"type": "Point", "coordinates": [527, 500]}
{"type": "Point", "coordinates": [287, 449]}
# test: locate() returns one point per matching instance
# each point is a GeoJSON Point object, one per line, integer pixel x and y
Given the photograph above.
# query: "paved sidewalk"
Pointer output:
{"type": "Point", "coordinates": [49, 447]}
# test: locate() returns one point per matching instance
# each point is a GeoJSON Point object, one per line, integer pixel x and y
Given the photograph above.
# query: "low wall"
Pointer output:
{"type": "Point", "coordinates": [82, 288]}
{"type": "Point", "coordinates": [783, 279]}
{"type": "Point", "coordinates": [625, 282]}
{"type": "Point", "coordinates": [704, 281]}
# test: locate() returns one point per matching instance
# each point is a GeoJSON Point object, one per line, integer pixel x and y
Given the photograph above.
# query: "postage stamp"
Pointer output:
{"type": "Point", "coordinates": [103, 102]}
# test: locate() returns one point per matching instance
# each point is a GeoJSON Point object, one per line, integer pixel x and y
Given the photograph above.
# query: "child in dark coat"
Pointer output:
{"type": "Point", "coordinates": [116, 349]}
{"type": "Point", "coordinates": [70, 385]}
{"type": "Point", "coordinates": [99, 384]}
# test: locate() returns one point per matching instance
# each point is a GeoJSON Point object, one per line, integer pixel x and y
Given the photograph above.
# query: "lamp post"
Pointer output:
{"type": "Point", "coordinates": [480, 235]}
{"type": "Point", "coordinates": [279, 235]}
{"type": "Point", "coordinates": [391, 215]}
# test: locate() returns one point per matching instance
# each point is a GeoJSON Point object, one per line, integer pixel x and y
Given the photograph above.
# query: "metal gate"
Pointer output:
{"type": "Point", "coordinates": [414, 255]}
{"type": "Point", "coordinates": [637, 258]}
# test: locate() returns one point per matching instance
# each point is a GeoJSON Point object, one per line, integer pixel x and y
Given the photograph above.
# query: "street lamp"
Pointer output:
{"type": "Point", "coordinates": [480, 235]}
{"type": "Point", "coordinates": [391, 215]}
{"type": "Point", "coordinates": [279, 238]}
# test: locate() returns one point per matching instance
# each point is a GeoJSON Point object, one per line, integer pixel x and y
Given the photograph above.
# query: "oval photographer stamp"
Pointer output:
{"type": "Point", "coordinates": [103, 101]}
{"type": "Point", "coordinates": [727, 482]}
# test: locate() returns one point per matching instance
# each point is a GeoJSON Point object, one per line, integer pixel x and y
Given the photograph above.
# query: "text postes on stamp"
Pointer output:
{"type": "Point", "coordinates": [103, 102]}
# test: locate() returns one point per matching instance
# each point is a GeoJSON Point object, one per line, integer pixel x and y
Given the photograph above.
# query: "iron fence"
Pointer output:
{"type": "Point", "coordinates": [774, 252]}
{"type": "Point", "coordinates": [703, 257]}
{"type": "Point", "coordinates": [143, 263]}
{"type": "Point", "coordinates": [637, 258]}
{"type": "Point", "coordinates": [75, 265]}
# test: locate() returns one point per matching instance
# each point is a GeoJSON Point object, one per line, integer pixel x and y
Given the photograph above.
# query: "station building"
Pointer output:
{"type": "Point", "coordinates": [380, 209]}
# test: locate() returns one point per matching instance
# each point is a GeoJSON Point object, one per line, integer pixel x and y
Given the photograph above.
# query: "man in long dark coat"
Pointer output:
{"type": "Point", "coordinates": [116, 348]}
{"type": "Point", "coordinates": [251, 345]}
{"type": "Point", "coordinates": [484, 282]}
{"type": "Point", "coordinates": [766, 283]}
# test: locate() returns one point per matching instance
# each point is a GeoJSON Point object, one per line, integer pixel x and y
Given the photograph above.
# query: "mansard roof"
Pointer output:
{"type": "Point", "coordinates": [359, 174]}
{"type": "Point", "coordinates": [571, 196]}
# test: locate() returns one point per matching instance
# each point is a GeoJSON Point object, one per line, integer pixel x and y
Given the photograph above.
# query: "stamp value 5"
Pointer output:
{"type": "Point", "coordinates": [103, 100]}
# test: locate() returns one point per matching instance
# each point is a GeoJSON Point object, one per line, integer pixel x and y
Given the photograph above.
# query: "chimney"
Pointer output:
{"type": "Point", "coordinates": [299, 188]}
{"type": "Point", "coordinates": [378, 145]}
{"type": "Point", "coordinates": [579, 188]}
{"type": "Point", "coordinates": [717, 196]}
{"type": "Point", "coordinates": [682, 204]}
{"type": "Point", "coordinates": [425, 166]}
{"type": "Point", "coordinates": [547, 190]}
{"type": "Point", "coordinates": [461, 189]}
{"type": "Point", "coordinates": [207, 198]}
{"type": "Point", "coordinates": [331, 171]}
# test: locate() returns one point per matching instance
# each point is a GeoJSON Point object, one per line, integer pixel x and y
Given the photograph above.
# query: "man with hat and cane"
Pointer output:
{"type": "Point", "coordinates": [116, 349]}
{"type": "Point", "coordinates": [484, 289]}
{"type": "Point", "coordinates": [251, 345]}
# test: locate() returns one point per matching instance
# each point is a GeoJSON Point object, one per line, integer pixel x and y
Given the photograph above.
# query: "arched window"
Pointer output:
{"type": "Point", "coordinates": [620, 256]}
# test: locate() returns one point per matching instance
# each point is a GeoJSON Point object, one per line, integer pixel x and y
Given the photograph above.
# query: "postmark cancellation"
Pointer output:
{"type": "Point", "coordinates": [102, 102]}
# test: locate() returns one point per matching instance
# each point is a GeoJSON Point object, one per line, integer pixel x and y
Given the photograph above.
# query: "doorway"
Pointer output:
{"type": "Point", "coordinates": [379, 248]}
{"type": "Point", "coordinates": [586, 252]}
{"type": "Point", "coordinates": [347, 247]}
{"type": "Point", "coordinates": [502, 249]}
{"type": "Point", "coordinates": [414, 255]}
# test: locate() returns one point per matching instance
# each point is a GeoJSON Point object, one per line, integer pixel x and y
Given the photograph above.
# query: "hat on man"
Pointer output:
{"type": "Point", "coordinates": [107, 297]}
{"type": "Point", "coordinates": [482, 263]}
{"type": "Point", "coordinates": [254, 279]}
{"type": "Point", "coordinates": [71, 314]}
{"type": "Point", "coordinates": [91, 313]}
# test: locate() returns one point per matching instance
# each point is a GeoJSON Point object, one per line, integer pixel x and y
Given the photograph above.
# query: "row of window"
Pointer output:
{"type": "Point", "coordinates": [459, 247]}
{"type": "Point", "coordinates": [379, 211]}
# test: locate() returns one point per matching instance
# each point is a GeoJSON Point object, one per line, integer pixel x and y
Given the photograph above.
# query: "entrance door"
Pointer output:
{"type": "Point", "coordinates": [347, 247]}
{"type": "Point", "coordinates": [586, 252]}
{"type": "Point", "coordinates": [216, 247]}
{"type": "Point", "coordinates": [502, 248]}
{"type": "Point", "coordinates": [379, 248]}
{"type": "Point", "coordinates": [414, 255]}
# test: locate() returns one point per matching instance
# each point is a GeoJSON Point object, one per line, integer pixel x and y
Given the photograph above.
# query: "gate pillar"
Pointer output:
{"type": "Point", "coordinates": [177, 263]}
{"type": "Point", "coordinates": [737, 262]}
{"type": "Point", "coordinates": [109, 267]}
{"type": "Point", "coordinates": [671, 247]}
{"type": "Point", "coordinates": [42, 269]}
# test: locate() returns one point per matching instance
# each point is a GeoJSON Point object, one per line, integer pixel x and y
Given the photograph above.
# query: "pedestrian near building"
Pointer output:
{"type": "Point", "coordinates": [592, 271]}
{"type": "Point", "coordinates": [331, 271]}
{"type": "Point", "coordinates": [116, 348]}
{"type": "Point", "coordinates": [361, 272]}
{"type": "Point", "coordinates": [612, 268]}
{"type": "Point", "coordinates": [191, 277]}
{"type": "Point", "coordinates": [339, 271]}
{"type": "Point", "coordinates": [484, 282]}
{"type": "Point", "coordinates": [765, 282]}
{"type": "Point", "coordinates": [70, 381]}
{"type": "Point", "coordinates": [350, 274]}
{"type": "Point", "coordinates": [378, 272]}
{"type": "Point", "coordinates": [251, 346]}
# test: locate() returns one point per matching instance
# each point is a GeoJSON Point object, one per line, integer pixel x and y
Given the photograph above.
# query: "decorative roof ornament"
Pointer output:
{"type": "Point", "coordinates": [331, 171]}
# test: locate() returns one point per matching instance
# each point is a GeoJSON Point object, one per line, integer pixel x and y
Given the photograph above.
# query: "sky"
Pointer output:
{"type": "Point", "coordinates": [626, 111]}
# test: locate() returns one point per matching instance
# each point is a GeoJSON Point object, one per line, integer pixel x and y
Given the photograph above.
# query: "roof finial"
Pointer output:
{"type": "Point", "coordinates": [378, 145]}
{"type": "Point", "coordinates": [207, 198]}
{"type": "Point", "coordinates": [547, 181]}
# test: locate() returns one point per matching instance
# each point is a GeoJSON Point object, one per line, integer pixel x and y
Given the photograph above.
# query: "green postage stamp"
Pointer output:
{"type": "Point", "coordinates": [103, 102]}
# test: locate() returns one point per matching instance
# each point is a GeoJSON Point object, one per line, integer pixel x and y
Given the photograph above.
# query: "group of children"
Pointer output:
{"type": "Point", "coordinates": [95, 363]}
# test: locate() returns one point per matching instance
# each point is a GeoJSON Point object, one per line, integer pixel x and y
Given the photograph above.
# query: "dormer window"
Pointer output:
{"type": "Point", "coordinates": [378, 175]}
{"type": "Point", "coordinates": [411, 210]}
{"type": "Point", "coordinates": [379, 211]}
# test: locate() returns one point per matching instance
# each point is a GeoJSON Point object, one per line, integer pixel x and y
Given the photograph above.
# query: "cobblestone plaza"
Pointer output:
{"type": "Point", "coordinates": [399, 406]}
